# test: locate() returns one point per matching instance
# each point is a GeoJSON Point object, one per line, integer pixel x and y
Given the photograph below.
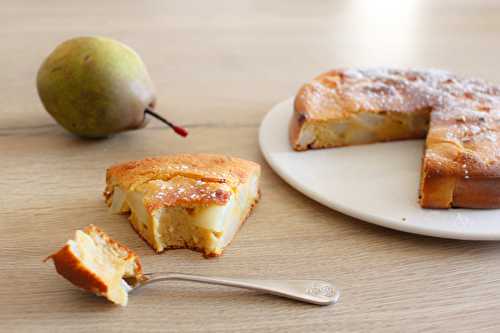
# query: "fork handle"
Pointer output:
{"type": "Point", "coordinates": [310, 291]}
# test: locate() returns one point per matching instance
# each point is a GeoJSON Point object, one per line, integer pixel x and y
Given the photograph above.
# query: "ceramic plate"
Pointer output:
{"type": "Point", "coordinates": [377, 183]}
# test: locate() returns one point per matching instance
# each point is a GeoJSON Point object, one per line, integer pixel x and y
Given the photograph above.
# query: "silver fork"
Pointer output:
{"type": "Point", "coordinates": [310, 291]}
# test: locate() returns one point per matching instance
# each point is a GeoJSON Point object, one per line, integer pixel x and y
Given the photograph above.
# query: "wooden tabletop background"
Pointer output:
{"type": "Point", "coordinates": [219, 66]}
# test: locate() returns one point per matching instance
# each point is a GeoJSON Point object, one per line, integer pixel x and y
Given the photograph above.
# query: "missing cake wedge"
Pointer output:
{"type": "Point", "coordinates": [194, 201]}
{"type": "Point", "coordinates": [95, 262]}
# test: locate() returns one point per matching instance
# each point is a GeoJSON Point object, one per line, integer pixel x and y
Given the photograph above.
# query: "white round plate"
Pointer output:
{"type": "Point", "coordinates": [377, 183]}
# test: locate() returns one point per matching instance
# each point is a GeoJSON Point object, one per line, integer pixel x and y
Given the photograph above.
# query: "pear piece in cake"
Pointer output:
{"type": "Point", "coordinates": [194, 201]}
{"type": "Point", "coordinates": [95, 262]}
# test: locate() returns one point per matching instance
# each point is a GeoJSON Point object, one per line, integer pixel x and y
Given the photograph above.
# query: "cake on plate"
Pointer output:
{"type": "Point", "coordinates": [459, 118]}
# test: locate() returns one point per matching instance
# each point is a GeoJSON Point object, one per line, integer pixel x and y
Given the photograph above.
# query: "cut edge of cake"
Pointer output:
{"type": "Point", "coordinates": [360, 127]}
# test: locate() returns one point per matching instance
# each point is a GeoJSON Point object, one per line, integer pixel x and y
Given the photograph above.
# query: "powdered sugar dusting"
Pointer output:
{"type": "Point", "coordinates": [184, 191]}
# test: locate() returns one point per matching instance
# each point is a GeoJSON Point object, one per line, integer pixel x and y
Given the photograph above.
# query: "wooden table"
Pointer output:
{"type": "Point", "coordinates": [219, 67]}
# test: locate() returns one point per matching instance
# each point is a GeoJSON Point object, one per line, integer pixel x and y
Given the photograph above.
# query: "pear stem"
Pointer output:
{"type": "Point", "coordinates": [177, 129]}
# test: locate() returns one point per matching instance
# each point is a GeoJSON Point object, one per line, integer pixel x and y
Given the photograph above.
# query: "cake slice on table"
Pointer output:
{"type": "Point", "coordinates": [194, 201]}
{"type": "Point", "coordinates": [95, 262]}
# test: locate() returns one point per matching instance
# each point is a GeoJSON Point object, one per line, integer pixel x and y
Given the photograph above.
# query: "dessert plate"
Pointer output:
{"type": "Point", "coordinates": [377, 183]}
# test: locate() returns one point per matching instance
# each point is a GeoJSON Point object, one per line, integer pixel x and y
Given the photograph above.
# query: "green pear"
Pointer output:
{"type": "Point", "coordinates": [96, 86]}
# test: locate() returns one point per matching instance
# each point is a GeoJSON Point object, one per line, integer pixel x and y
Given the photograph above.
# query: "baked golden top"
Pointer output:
{"type": "Point", "coordinates": [181, 180]}
{"type": "Point", "coordinates": [183, 191]}
{"type": "Point", "coordinates": [465, 113]}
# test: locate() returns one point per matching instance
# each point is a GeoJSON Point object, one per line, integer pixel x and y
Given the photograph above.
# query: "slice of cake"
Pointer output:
{"type": "Point", "coordinates": [95, 262]}
{"type": "Point", "coordinates": [460, 117]}
{"type": "Point", "coordinates": [185, 201]}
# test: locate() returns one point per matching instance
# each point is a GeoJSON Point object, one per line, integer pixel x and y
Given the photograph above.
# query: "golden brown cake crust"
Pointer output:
{"type": "Point", "coordinates": [194, 177]}
{"type": "Point", "coordinates": [462, 158]}
{"type": "Point", "coordinates": [184, 192]}
{"type": "Point", "coordinates": [71, 267]}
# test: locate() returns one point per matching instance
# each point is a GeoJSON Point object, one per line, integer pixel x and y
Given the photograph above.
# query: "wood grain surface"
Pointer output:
{"type": "Point", "coordinates": [219, 66]}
